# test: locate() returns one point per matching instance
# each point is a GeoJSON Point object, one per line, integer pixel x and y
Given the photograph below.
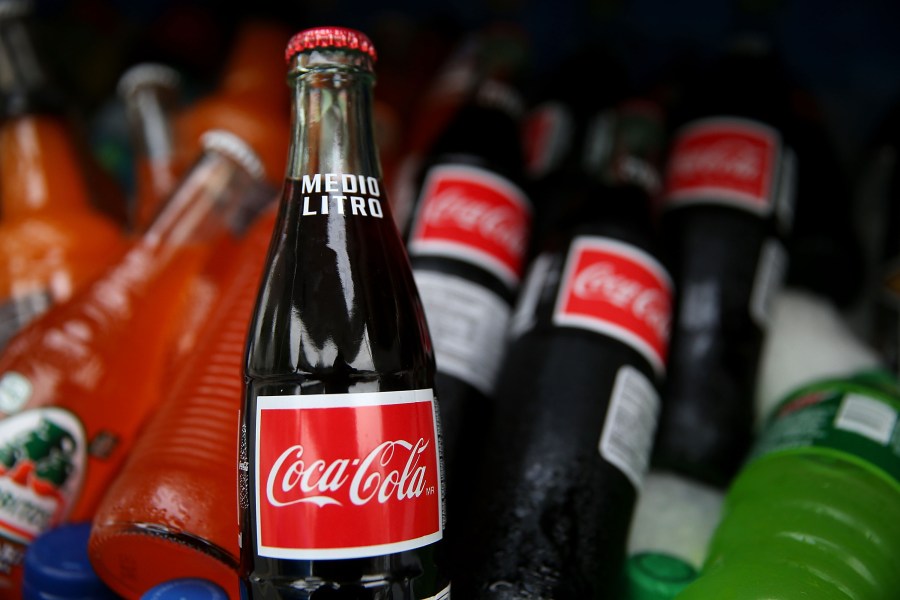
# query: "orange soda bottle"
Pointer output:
{"type": "Point", "coordinates": [150, 94]}
{"type": "Point", "coordinates": [53, 239]}
{"type": "Point", "coordinates": [77, 384]}
{"type": "Point", "coordinates": [172, 510]}
{"type": "Point", "coordinates": [251, 98]}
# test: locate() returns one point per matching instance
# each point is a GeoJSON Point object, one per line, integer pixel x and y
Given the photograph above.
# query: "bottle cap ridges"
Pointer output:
{"type": "Point", "coordinates": [147, 73]}
{"type": "Point", "coordinates": [329, 37]}
{"type": "Point", "coordinates": [234, 146]}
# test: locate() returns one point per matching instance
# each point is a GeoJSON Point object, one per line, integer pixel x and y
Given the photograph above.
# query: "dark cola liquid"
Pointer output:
{"type": "Point", "coordinates": [555, 516]}
{"type": "Point", "coordinates": [548, 514]}
{"type": "Point", "coordinates": [706, 425]}
{"type": "Point", "coordinates": [338, 312]}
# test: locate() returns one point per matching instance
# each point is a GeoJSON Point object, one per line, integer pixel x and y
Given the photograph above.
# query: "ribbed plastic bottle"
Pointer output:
{"type": "Point", "coordinates": [77, 384]}
{"type": "Point", "coordinates": [171, 512]}
{"type": "Point", "coordinates": [815, 512]}
{"type": "Point", "coordinates": [341, 481]}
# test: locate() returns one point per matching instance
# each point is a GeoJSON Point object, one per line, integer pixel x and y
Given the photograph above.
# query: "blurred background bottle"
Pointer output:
{"type": "Point", "coordinates": [815, 509]}
{"type": "Point", "coordinates": [673, 521]}
{"type": "Point", "coordinates": [142, 537]}
{"type": "Point", "coordinates": [492, 57]}
{"type": "Point", "coordinates": [79, 382]}
{"type": "Point", "coordinates": [468, 244]}
{"type": "Point", "coordinates": [725, 214]}
{"type": "Point", "coordinates": [150, 94]}
{"type": "Point", "coordinates": [53, 238]}
{"type": "Point", "coordinates": [250, 97]}
{"type": "Point", "coordinates": [570, 436]}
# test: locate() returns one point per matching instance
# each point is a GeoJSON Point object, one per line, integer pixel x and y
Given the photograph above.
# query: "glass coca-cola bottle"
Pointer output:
{"type": "Point", "coordinates": [341, 492]}
{"type": "Point", "coordinates": [726, 212]}
{"type": "Point", "coordinates": [577, 395]}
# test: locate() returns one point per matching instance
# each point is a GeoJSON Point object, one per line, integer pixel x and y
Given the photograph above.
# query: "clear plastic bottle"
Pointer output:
{"type": "Point", "coordinates": [815, 512]}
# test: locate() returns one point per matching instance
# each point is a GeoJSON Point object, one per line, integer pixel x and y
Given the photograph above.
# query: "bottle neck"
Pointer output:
{"type": "Point", "coordinates": [150, 110]}
{"type": "Point", "coordinates": [331, 116]}
{"type": "Point", "coordinates": [217, 196]}
{"type": "Point", "coordinates": [25, 86]}
{"type": "Point", "coordinates": [39, 168]}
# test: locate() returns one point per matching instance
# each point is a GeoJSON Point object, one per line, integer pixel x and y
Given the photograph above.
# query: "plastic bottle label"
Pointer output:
{"type": "Point", "coordinates": [42, 464]}
{"type": "Point", "coordinates": [836, 417]}
{"type": "Point", "coordinates": [468, 326]}
{"type": "Point", "coordinates": [724, 161]}
{"type": "Point", "coordinates": [627, 437]}
{"type": "Point", "coordinates": [361, 471]}
{"type": "Point", "coordinates": [770, 272]}
{"type": "Point", "coordinates": [475, 216]}
{"type": "Point", "coordinates": [618, 290]}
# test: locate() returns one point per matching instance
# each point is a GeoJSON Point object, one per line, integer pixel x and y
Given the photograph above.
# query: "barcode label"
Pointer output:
{"type": "Point", "coordinates": [630, 425]}
{"type": "Point", "coordinates": [868, 417]}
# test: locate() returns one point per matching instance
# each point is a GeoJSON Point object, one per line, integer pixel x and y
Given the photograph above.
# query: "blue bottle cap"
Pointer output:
{"type": "Point", "coordinates": [56, 566]}
{"type": "Point", "coordinates": [185, 589]}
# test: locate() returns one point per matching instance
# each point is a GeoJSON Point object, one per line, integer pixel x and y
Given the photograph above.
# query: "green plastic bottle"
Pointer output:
{"type": "Point", "coordinates": [815, 512]}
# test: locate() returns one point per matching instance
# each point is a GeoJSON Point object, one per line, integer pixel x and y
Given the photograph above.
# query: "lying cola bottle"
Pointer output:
{"type": "Point", "coordinates": [340, 468]}
{"type": "Point", "coordinates": [577, 395]}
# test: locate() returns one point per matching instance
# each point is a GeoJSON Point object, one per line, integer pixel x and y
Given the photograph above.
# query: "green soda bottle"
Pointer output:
{"type": "Point", "coordinates": [815, 511]}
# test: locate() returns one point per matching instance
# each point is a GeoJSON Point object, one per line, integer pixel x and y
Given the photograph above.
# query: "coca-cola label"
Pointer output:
{"type": "Point", "coordinates": [347, 475]}
{"type": "Point", "coordinates": [724, 161]}
{"type": "Point", "coordinates": [475, 216]}
{"type": "Point", "coordinates": [618, 290]}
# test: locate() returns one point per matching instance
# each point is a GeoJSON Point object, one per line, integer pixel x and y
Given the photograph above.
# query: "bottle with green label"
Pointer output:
{"type": "Point", "coordinates": [815, 511]}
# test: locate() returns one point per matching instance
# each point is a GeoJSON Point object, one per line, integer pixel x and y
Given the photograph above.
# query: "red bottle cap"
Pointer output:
{"type": "Point", "coordinates": [329, 37]}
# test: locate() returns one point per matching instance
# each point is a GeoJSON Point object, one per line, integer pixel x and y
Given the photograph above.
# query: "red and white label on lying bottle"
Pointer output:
{"type": "Point", "coordinates": [724, 161]}
{"type": "Point", "coordinates": [347, 475]}
{"type": "Point", "coordinates": [618, 290]}
{"type": "Point", "coordinates": [476, 216]}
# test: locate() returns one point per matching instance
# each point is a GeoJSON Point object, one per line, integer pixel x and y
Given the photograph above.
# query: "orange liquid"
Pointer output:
{"type": "Point", "coordinates": [154, 182]}
{"type": "Point", "coordinates": [101, 356]}
{"type": "Point", "coordinates": [51, 240]}
{"type": "Point", "coordinates": [172, 511]}
{"type": "Point", "coordinates": [252, 99]}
